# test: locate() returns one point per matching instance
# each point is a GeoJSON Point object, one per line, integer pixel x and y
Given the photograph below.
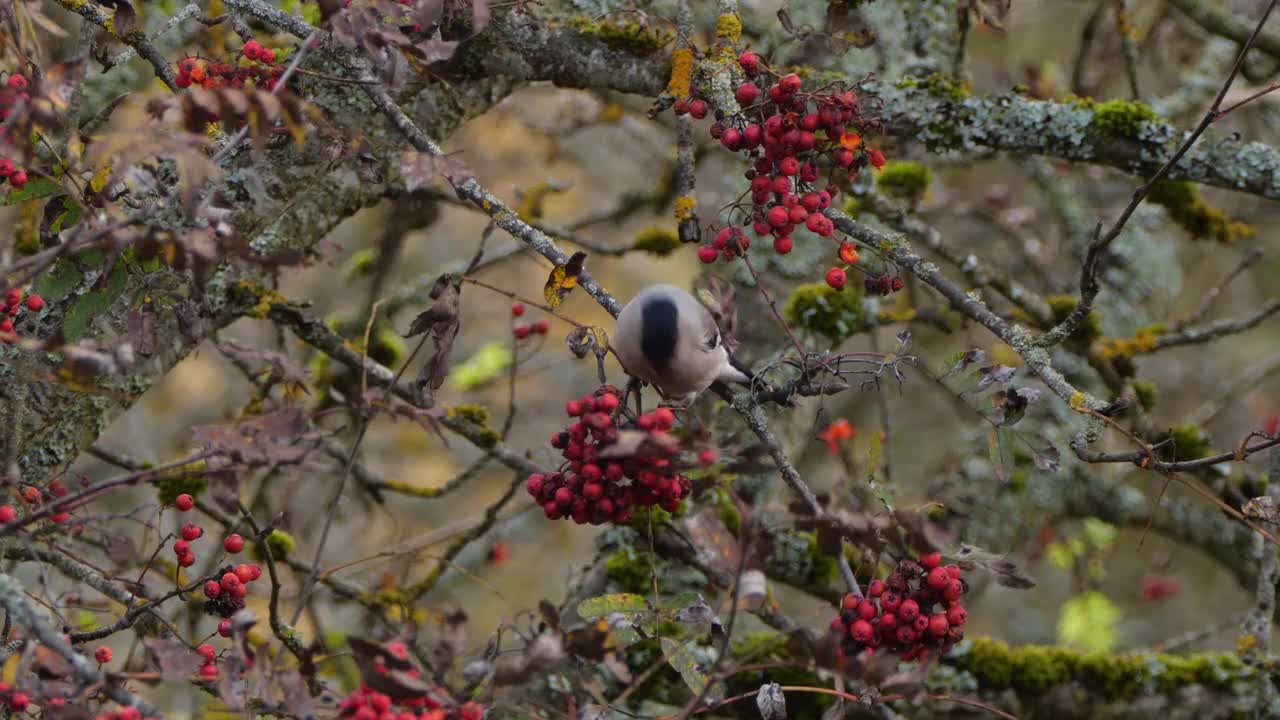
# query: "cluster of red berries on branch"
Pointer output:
{"type": "Point", "coordinates": [916, 610]}
{"type": "Point", "coordinates": [604, 479]}
{"type": "Point", "coordinates": [33, 495]}
{"type": "Point", "coordinates": [262, 70]}
{"type": "Point", "coordinates": [13, 305]}
{"type": "Point", "coordinates": [523, 330]}
{"type": "Point", "coordinates": [227, 593]}
{"type": "Point", "coordinates": [883, 283]}
{"type": "Point", "coordinates": [209, 658]}
{"type": "Point", "coordinates": [365, 703]}
{"type": "Point", "coordinates": [15, 700]}
{"type": "Point", "coordinates": [799, 145]}
{"type": "Point", "coordinates": [12, 93]}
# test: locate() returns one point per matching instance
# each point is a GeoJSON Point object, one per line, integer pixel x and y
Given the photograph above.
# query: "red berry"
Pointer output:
{"type": "Point", "coordinates": [212, 589]}
{"type": "Point", "coordinates": [750, 63]}
{"type": "Point", "coordinates": [708, 254]}
{"type": "Point", "coordinates": [954, 589]}
{"type": "Point", "coordinates": [102, 655]}
{"type": "Point", "coordinates": [957, 615]}
{"type": "Point", "coordinates": [207, 652]}
{"type": "Point", "coordinates": [848, 254]}
{"type": "Point", "coordinates": [938, 579]}
{"type": "Point", "coordinates": [850, 601]}
{"type": "Point", "coordinates": [209, 671]}
{"type": "Point", "coordinates": [541, 327]}
{"type": "Point", "coordinates": [953, 571]}
{"type": "Point", "coordinates": [187, 560]}
{"type": "Point", "coordinates": [680, 107]}
{"type": "Point", "coordinates": [931, 560]}
{"type": "Point", "coordinates": [789, 166]}
{"type": "Point", "coordinates": [747, 93]}
{"type": "Point", "coordinates": [867, 610]}
{"type": "Point", "coordinates": [876, 588]}
{"type": "Point", "coordinates": [890, 601]}
{"type": "Point", "coordinates": [233, 544]}
{"type": "Point", "coordinates": [752, 135]}
{"type": "Point", "coordinates": [574, 408]}
{"type": "Point", "coordinates": [564, 496]}
{"type": "Point", "coordinates": [698, 109]}
{"type": "Point", "coordinates": [8, 514]}
{"type": "Point", "coordinates": [921, 623]}
{"type": "Point", "coordinates": [938, 624]}
{"type": "Point", "coordinates": [31, 494]}
{"type": "Point", "coordinates": [224, 627]}
{"type": "Point", "coordinates": [181, 547]}
{"type": "Point", "coordinates": [129, 713]}
{"type": "Point", "coordinates": [19, 700]}
{"type": "Point", "coordinates": [517, 309]}
{"type": "Point", "coordinates": [783, 245]}
{"type": "Point", "coordinates": [245, 573]}
{"type": "Point", "coordinates": [707, 457]}
{"type": "Point", "coordinates": [267, 56]}
{"type": "Point", "coordinates": [35, 303]}
{"type": "Point", "coordinates": [861, 631]}
{"type": "Point", "coordinates": [790, 83]}
{"type": "Point", "coordinates": [60, 517]}
{"type": "Point", "coordinates": [909, 610]}
{"type": "Point", "coordinates": [183, 80]}
{"type": "Point", "coordinates": [836, 278]}
{"type": "Point", "coordinates": [888, 621]}
{"type": "Point", "coordinates": [731, 139]}
{"type": "Point", "coordinates": [471, 711]}
{"type": "Point", "coordinates": [251, 49]}
{"type": "Point", "coordinates": [778, 216]}
{"type": "Point", "coordinates": [876, 158]}
{"type": "Point", "coordinates": [18, 82]}
{"type": "Point", "coordinates": [191, 531]}
{"type": "Point", "coordinates": [184, 502]}
{"type": "Point", "coordinates": [798, 214]}
{"type": "Point", "coordinates": [521, 331]}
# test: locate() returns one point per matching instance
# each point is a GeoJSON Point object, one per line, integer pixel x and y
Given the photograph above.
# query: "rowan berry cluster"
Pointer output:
{"type": "Point", "coordinates": [261, 69]}
{"type": "Point", "coordinates": [799, 144]}
{"type": "Point", "coordinates": [226, 594]}
{"type": "Point", "coordinates": [13, 305]}
{"type": "Point", "coordinates": [523, 330]}
{"type": "Point", "coordinates": [33, 495]}
{"type": "Point", "coordinates": [15, 700]}
{"type": "Point", "coordinates": [13, 92]}
{"type": "Point", "coordinates": [598, 484]}
{"type": "Point", "coordinates": [883, 283]}
{"type": "Point", "coordinates": [365, 703]}
{"type": "Point", "coordinates": [916, 610]}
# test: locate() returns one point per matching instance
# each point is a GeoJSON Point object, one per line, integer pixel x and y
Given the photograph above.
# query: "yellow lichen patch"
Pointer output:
{"type": "Point", "coordinates": [685, 206]}
{"type": "Point", "coordinates": [1143, 341]}
{"type": "Point", "coordinates": [1186, 208]}
{"type": "Point", "coordinates": [657, 240]}
{"type": "Point", "coordinates": [729, 28]}
{"type": "Point", "coordinates": [1005, 355]}
{"type": "Point", "coordinates": [1077, 401]}
{"type": "Point", "coordinates": [532, 200]}
{"type": "Point", "coordinates": [681, 73]}
{"type": "Point", "coordinates": [631, 35]}
{"type": "Point", "coordinates": [1246, 643]}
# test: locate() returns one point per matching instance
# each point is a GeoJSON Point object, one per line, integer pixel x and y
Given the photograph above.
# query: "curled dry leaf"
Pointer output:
{"type": "Point", "coordinates": [442, 321]}
{"type": "Point", "coordinates": [176, 661]}
{"type": "Point", "coordinates": [771, 702]}
{"type": "Point", "coordinates": [563, 279]}
{"type": "Point", "coordinates": [418, 169]}
{"type": "Point", "coordinates": [961, 361]}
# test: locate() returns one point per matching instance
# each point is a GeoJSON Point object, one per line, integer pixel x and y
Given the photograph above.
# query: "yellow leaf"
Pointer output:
{"type": "Point", "coordinates": [563, 279]}
{"type": "Point", "coordinates": [99, 181]}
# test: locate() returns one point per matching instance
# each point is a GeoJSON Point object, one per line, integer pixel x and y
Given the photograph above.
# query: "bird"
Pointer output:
{"type": "Point", "coordinates": [668, 339]}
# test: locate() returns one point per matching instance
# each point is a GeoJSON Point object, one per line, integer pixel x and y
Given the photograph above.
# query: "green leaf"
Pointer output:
{"type": "Point", "coordinates": [1060, 555]}
{"type": "Point", "coordinates": [37, 188]}
{"type": "Point", "coordinates": [1088, 622]}
{"type": "Point", "coordinates": [70, 216]}
{"type": "Point", "coordinates": [605, 605]}
{"type": "Point", "coordinates": [58, 282]}
{"type": "Point", "coordinates": [483, 367]}
{"type": "Point", "coordinates": [681, 658]}
{"type": "Point", "coordinates": [90, 305]}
